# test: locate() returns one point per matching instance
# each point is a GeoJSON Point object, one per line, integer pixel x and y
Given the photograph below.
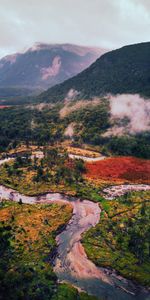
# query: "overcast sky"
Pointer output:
{"type": "Point", "coordinates": [103, 23]}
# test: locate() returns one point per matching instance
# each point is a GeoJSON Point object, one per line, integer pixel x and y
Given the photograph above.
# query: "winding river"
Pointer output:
{"type": "Point", "coordinates": [71, 263]}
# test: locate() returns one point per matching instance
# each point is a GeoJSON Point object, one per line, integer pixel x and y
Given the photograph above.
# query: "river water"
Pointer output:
{"type": "Point", "coordinates": [71, 263]}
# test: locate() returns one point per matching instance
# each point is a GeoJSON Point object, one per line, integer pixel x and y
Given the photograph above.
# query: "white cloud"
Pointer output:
{"type": "Point", "coordinates": [109, 23]}
{"type": "Point", "coordinates": [132, 107]}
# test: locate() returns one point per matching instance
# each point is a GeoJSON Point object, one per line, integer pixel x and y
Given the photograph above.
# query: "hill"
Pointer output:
{"type": "Point", "coordinates": [115, 125]}
{"type": "Point", "coordinates": [125, 70]}
{"type": "Point", "coordinates": [45, 65]}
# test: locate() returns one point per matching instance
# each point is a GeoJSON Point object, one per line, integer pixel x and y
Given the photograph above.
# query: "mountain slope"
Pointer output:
{"type": "Point", "coordinates": [125, 70]}
{"type": "Point", "coordinates": [45, 65]}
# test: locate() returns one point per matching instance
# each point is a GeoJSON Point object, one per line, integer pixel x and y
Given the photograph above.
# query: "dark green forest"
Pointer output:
{"type": "Point", "coordinates": [45, 127]}
{"type": "Point", "coordinates": [121, 71]}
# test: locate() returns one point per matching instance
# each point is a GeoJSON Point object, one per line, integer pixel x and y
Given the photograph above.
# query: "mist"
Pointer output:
{"type": "Point", "coordinates": [71, 95]}
{"type": "Point", "coordinates": [134, 108]}
{"type": "Point", "coordinates": [70, 107]}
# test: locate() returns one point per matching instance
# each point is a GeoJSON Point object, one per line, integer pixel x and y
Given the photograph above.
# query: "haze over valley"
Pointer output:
{"type": "Point", "coordinates": [75, 150]}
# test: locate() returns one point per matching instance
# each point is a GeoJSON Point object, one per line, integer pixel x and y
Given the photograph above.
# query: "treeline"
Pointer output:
{"type": "Point", "coordinates": [45, 127]}
{"type": "Point", "coordinates": [92, 122]}
{"type": "Point", "coordinates": [121, 71]}
{"type": "Point", "coordinates": [55, 168]}
{"type": "Point", "coordinates": [28, 126]}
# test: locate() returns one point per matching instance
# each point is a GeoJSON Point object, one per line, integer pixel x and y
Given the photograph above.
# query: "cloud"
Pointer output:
{"type": "Point", "coordinates": [69, 107]}
{"type": "Point", "coordinates": [72, 95]}
{"type": "Point", "coordinates": [108, 24]}
{"type": "Point", "coordinates": [69, 132]}
{"type": "Point", "coordinates": [133, 111]}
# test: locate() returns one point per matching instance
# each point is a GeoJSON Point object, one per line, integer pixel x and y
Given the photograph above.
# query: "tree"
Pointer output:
{"type": "Point", "coordinates": [79, 165]}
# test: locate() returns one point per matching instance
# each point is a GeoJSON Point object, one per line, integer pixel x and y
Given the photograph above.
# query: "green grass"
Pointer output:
{"type": "Point", "coordinates": [67, 292]}
{"type": "Point", "coordinates": [27, 240]}
{"type": "Point", "coordinates": [121, 239]}
{"type": "Point", "coordinates": [27, 248]}
{"type": "Point", "coordinates": [52, 173]}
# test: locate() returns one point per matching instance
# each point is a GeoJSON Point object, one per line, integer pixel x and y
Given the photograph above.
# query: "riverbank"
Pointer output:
{"type": "Point", "coordinates": [120, 241]}
{"type": "Point", "coordinates": [29, 233]}
{"type": "Point", "coordinates": [96, 283]}
{"type": "Point", "coordinates": [72, 265]}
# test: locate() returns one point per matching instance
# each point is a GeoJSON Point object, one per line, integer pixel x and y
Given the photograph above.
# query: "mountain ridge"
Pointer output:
{"type": "Point", "coordinates": [45, 65]}
{"type": "Point", "coordinates": [124, 70]}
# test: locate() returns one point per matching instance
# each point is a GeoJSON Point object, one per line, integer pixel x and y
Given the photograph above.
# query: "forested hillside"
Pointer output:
{"type": "Point", "coordinates": [46, 126]}
{"type": "Point", "coordinates": [125, 70]}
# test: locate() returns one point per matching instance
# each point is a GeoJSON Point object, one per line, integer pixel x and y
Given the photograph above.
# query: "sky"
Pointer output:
{"type": "Point", "coordinates": [107, 24]}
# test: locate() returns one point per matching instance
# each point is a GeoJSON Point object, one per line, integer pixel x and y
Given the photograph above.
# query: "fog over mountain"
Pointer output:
{"type": "Point", "coordinates": [121, 71]}
{"type": "Point", "coordinates": [44, 65]}
{"type": "Point", "coordinates": [108, 24]}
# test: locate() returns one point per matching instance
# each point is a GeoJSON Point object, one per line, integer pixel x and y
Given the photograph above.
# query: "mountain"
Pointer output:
{"type": "Point", "coordinates": [125, 70]}
{"type": "Point", "coordinates": [45, 65]}
{"type": "Point", "coordinates": [14, 92]}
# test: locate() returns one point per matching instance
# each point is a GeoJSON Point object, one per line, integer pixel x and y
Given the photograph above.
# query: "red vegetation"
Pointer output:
{"type": "Point", "coordinates": [3, 106]}
{"type": "Point", "coordinates": [120, 169]}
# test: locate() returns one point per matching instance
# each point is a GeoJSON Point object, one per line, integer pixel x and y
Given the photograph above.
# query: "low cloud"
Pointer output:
{"type": "Point", "coordinates": [71, 107]}
{"type": "Point", "coordinates": [71, 95]}
{"type": "Point", "coordinates": [70, 130]}
{"type": "Point", "coordinates": [112, 23]}
{"type": "Point", "coordinates": [129, 114]}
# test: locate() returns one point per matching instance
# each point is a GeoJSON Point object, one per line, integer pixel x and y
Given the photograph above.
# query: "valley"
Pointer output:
{"type": "Point", "coordinates": [71, 264]}
{"type": "Point", "coordinates": [75, 173]}
{"type": "Point", "coordinates": [30, 72]}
